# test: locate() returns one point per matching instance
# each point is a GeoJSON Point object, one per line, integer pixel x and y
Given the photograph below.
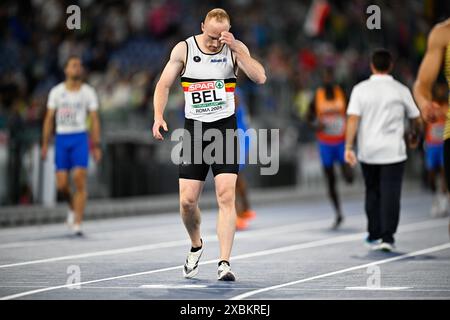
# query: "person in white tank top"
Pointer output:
{"type": "Point", "coordinates": [208, 82]}
{"type": "Point", "coordinates": [208, 64]}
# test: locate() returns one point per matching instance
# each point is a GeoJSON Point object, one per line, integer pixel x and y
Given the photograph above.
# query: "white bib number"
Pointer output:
{"type": "Point", "coordinates": [66, 117]}
{"type": "Point", "coordinates": [334, 125]}
{"type": "Point", "coordinates": [207, 97]}
{"type": "Point", "coordinates": [437, 132]}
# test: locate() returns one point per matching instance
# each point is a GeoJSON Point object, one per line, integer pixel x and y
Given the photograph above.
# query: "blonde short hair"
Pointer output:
{"type": "Point", "coordinates": [218, 14]}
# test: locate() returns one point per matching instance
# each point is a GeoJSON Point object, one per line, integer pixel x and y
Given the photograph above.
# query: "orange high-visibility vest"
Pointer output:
{"type": "Point", "coordinates": [331, 113]}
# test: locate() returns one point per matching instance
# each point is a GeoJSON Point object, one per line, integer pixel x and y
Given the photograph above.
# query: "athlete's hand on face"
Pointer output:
{"type": "Point", "coordinates": [44, 150]}
{"type": "Point", "coordinates": [431, 112]}
{"type": "Point", "coordinates": [350, 157]}
{"type": "Point", "coordinates": [156, 126]}
{"type": "Point", "coordinates": [228, 39]}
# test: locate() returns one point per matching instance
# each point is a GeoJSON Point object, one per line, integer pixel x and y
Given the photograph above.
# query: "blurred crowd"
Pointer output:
{"type": "Point", "coordinates": [124, 45]}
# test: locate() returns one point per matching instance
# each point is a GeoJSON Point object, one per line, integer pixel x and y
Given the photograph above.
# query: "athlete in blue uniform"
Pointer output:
{"type": "Point", "coordinates": [69, 102]}
{"type": "Point", "coordinates": [243, 210]}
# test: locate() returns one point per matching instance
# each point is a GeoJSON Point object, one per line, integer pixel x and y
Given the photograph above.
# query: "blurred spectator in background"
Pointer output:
{"type": "Point", "coordinates": [434, 153]}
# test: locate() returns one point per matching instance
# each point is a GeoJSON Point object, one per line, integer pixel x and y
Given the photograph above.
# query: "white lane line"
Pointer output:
{"type": "Point", "coordinates": [28, 243]}
{"type": "Point", "coordinates": [171, 244]}
{"type": "Point", "coordinates": [173, 286]}
{"type": "Point", "coordinates": [94, 235]}
{"type": "Point", "coordinates": [136, 230]}
{"type": "Point", "coordinates": [358, 236]}
{"type": "Point", "coordinates": [329, 274]}
{"type": "Point", "coordinates": [378, 288]}
{"type": "Point", "coordinates": [226, 289]}
{"type": "Point", "coordinates": [160, 245]}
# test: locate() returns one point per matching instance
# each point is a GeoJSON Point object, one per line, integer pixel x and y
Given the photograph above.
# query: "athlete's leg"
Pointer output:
{"type": "Point", "coordinates": [80, 194]}
{"type": "Point", "coordinates": [63, 187]}
{"type": "Point", "coordinates": [347, 173]}
{"type": "Point", "coordinates": [441, 170]}
{"type": "Point", "coordinates": [190, 191]}
{"type": "Point", "coordinates": [242, 204]}
{"type": "Point", "coordinates": [241, 192]}
{"type": "Point", "coordinates": [332, 192]}
{"type": "Point", "coordinates": [79, 158]}
{"type": "Point", "coordinates": [62, 163]}
{"type": "Point", "coordinates": [226, 222]}
{"type": "Point", "coordinates": [327, 158]}
{"type": "Point", "coordinates": [433, 163]}
{"type": "Point", "coordinates": [443, 180]}
{"type": "Point", "coordinates": [443, 201]}
{"type": "Point", "coordinates": [432, 180]}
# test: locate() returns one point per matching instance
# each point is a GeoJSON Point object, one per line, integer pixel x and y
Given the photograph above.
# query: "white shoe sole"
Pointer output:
{"type": "Point", "coordinates": [193, 272]}
{"type": "Point", "coordinates": [386, 248]}
{"type": "Point", "coordinates": [229, 276]}
{"type": "Point", "coordinates": [373, 246]}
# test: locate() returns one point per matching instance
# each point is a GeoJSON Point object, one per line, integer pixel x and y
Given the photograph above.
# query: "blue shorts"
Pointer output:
{"type": "Point", "coordinates": [434, 156]}
{"type": "Point", "coordinates": [71, 150]}
{"type": "Point", "coordinates": [331, 153]}
{"type": "Point", "coordinates": [244, 141]}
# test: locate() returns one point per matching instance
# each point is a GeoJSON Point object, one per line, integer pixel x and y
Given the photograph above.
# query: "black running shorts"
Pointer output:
{"type": "Point", "coordinates": [223, 158]}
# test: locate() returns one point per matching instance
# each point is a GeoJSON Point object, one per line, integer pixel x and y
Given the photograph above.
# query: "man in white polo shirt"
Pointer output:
{"type": "Point", "coordinates": [377, 110]}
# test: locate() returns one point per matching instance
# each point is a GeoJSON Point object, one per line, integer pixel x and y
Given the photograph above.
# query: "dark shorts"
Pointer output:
{"type": "Point", "coordinates": [216, 151]}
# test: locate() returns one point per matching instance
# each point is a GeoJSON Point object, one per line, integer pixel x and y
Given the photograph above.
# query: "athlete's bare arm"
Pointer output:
{"type": "Point", "coordinates": [429, 71]}
{"type": "Point", "coordinates": [352, 128]}
{"type": "Point", "coordinates": [95, 135]}
{"type": "Point", "coordinates": [171, 71]}
{"type": "Point", "coordinates": [311, 117]}
{"type": "Point", "coordinates": [252, 68]}
{"type": "Point", "coordinates": [47, 131]}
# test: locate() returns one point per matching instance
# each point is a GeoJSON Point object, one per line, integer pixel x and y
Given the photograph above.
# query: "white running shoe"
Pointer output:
{"type": "Point", "coordinates": [190, 268]}
{"type": "Point", "coordinates": [435, 207]}
{"type": "Point", "coordinates": [70, 218]}
{"type": "Point", "coordinates": [386, 247]}
{"type": "Point", "coordinates": [372, 244]}
{"type": "Point", "coordinates": [76, 228]}
{"type": "Point", "coordinates": [443, 205]}
{"type": "Point", "coordinates": [224, 272]}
